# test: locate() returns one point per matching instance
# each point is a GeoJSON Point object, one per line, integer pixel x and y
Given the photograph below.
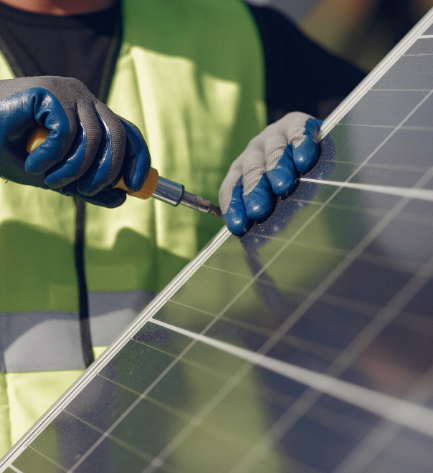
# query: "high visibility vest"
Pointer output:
{"type": "Point", "coordinates": [190, 76]}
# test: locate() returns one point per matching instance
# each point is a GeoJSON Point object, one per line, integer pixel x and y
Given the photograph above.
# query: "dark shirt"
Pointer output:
{"type": "Point", "coordinates": [300, 75]}
{"type": "Point", "coordinates": [80, 46]}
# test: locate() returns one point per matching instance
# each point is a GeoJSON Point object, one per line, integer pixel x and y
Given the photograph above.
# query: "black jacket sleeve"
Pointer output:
{"type": "Point", "coordinates": [300, 75]}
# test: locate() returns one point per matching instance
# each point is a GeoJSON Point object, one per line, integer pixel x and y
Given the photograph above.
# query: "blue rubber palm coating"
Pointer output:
{"type": "Point", "coordinates": [66, 172]}
{"type": "Point", "coordinates": [23, 111]}
{"type": "Point", "coordinates": [49, 111]}
{"type": "Point", "coordinates": [95, 179]}
{"type": "Point", "coordinates": [135, 168]}
{"type": "Point", "coordinates": [137, 162]}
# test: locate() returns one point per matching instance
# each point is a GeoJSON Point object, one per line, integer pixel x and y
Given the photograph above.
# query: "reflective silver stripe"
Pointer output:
{"type": "Point", "coordinates": [46, 341]}
{"type": "Point", "coordinates": [112, 312]}
{"type": "Point", "coordinates": [40, 341]}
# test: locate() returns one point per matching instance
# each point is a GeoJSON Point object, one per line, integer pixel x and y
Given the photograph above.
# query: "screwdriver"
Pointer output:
{"type": "Point", "coordinates": [155, 186]}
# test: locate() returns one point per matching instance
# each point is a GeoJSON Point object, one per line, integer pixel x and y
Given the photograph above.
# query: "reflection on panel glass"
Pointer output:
{"type": "Point", "coordinates": [336, 284]}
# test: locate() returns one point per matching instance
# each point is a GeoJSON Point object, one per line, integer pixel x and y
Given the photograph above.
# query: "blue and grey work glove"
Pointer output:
{"type": "Point", "coordinates": [269, 166]}
{"type": "Point", "coordinates": [87, 150]}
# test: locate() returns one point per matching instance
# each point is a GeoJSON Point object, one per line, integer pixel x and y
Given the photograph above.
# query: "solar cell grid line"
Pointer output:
{"type": "Point", "coordinates": [12, 469]}
{"type": "Point", "coordinates": [422, 194]}
{"type": "Point", "coordinates": [408, 280]}
{"type": "Point", "coordinates": [369, 400]}
{"type": "Point", "coordinates": [385, 432]}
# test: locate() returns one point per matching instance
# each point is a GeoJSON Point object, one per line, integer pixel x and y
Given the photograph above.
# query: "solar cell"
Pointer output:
{"type": "Point", "coordinates": [304, 346]}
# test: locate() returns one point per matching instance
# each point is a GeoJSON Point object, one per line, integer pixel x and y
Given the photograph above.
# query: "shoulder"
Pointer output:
{"type": "Point", "coordinates": [299, 73]}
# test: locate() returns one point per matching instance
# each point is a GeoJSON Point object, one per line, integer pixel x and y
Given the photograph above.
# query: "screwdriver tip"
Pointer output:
{"type": "Point", "coordinates": [215, 210]}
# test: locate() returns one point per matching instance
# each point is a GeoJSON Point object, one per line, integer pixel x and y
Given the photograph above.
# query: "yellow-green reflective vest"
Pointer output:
{"type": "Point", "coordinates": [190, 76]}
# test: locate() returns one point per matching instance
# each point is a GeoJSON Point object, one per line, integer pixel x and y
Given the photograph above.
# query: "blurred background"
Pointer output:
{"type": "Point", "coordinates": [362, 31]}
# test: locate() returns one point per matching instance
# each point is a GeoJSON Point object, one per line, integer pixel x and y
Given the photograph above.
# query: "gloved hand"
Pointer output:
{"type": "Point", "coordinates": [87, 150]}
{"type": "Point", "coordinates": [269, 166]}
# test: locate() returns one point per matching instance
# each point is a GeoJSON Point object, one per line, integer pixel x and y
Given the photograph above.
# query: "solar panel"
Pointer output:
{"type": "Point", "coordinates": [306, 345]}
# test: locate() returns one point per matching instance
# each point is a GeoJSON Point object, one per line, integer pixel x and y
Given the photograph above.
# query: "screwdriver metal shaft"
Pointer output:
{"type": "Point", "coordinates": [175, 194]}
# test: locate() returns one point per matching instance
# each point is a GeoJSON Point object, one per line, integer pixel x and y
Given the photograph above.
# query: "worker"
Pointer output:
{"type": "Point", "coordinates": [190, 83]}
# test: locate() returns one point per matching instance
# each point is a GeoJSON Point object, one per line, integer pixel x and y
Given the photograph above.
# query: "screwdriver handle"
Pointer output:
{"type": "Point", "coordinates": [39, 135]}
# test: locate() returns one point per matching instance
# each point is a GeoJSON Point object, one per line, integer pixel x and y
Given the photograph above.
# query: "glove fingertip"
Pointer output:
{"type": "Point", "coordinates": [236, 217]}
{"type": "Point", "coordinates": [67, 171]}
{"type": "Point", "coordinates": [259, 203]}
{"type": "Point", "coordinates": [283, 176]}
{"type": "Point", "coordinates": [305, 156]}
{"type": "Point", "coordinates": [236, 222]}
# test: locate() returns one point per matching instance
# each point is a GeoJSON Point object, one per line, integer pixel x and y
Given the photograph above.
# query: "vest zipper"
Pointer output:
{"type": "Point", "coordinates": [83, 314]}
